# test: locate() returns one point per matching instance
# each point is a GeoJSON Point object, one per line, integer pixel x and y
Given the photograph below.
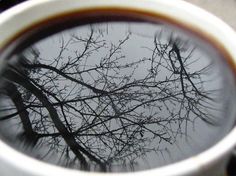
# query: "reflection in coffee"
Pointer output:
{"type": "Point", "coordinates": [116, 97]}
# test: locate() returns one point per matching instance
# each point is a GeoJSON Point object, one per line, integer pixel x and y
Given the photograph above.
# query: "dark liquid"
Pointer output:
{"type": "Point", "coordinates": [116, 97]}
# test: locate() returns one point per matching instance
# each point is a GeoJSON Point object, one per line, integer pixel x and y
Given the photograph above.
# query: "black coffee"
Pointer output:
{"type": "Point", "coordinates": [116, 96]}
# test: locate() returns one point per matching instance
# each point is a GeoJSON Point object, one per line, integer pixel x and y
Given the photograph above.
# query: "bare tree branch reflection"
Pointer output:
{"type": "Point", "coordinates": [97, 107]}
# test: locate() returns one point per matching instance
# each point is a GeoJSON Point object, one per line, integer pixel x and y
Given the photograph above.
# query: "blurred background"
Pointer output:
{"type": "Point", "coordinates": [224, 9]}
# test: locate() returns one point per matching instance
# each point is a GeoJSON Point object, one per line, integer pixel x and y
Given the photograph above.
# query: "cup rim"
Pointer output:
{"type": "Point", "coordinates": [191, 16]}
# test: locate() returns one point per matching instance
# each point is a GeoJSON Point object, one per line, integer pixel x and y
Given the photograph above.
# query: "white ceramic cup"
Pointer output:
{"type": "Point", "coordinates": [211, 162]}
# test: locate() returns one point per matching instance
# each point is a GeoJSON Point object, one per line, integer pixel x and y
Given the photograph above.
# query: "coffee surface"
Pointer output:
{"type": "Point", "coordinates": [116, 97]}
